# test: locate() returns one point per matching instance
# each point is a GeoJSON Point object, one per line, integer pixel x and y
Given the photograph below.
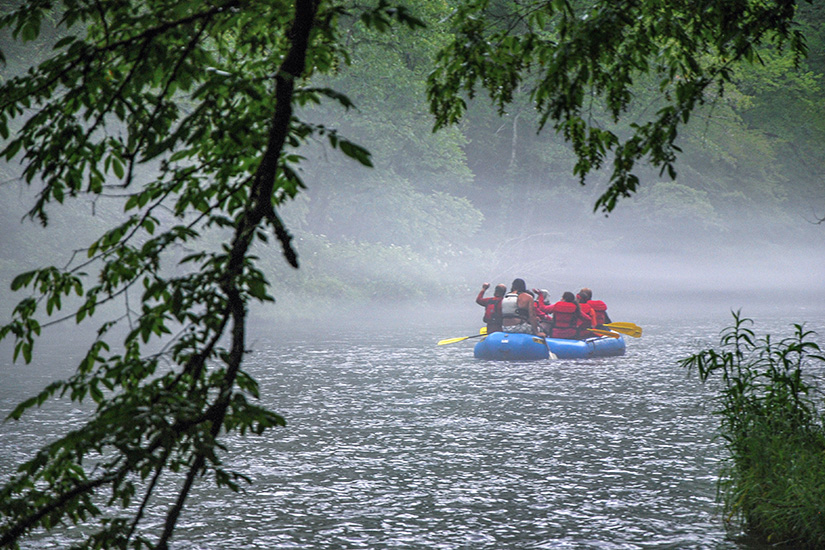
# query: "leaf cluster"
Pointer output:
{"type": "Point", "coordinates": [183, 113]}
{"type": "Point", "coordinates": [573, 58]}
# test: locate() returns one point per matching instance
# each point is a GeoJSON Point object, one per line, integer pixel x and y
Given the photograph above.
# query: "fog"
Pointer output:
{"type": "Point", "coordinates": [637, 267]}
{"type": "Point", "coordinates": [643, 259]}
{"type": "Point", "coordinates": [643, 272]}
{"type": "Point", "coordinates": [756, 276]}
{"type": "Point", "coordinates": [684, 267]}
{"type": "Point", "coordinates": [442, 213]}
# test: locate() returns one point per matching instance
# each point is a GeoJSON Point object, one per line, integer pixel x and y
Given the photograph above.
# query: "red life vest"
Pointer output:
{"type": "Point", "coordinates": [565, 317]}
{"type": "Point", "coordinates": [587, 311]}
{"type": "Point", "coordinates": [492, 311]}
{"type": "Point", "coordinates": [599, 307]}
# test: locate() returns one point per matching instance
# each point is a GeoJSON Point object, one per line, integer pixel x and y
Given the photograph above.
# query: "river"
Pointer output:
{"type": "Point", "coordinates": [394, 442]}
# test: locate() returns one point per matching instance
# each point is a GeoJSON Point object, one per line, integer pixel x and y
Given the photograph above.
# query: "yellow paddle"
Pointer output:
{"type": "Point", "coordinates": [627, 331]}
{"type": "Point", "coordinates": [605, 332]}
{"type": "Point", "coordinates": [630, 329]}
{"type": "Point", "coordinates": [481, 332]}
{"type": "Point", "coordinates": [624, 325]}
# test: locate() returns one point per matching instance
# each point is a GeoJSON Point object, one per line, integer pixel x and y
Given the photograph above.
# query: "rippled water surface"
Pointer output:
{"type": "Point", "coordinates": [394, 442]}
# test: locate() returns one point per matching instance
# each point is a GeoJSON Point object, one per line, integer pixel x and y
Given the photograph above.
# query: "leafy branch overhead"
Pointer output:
{"type": "Point", "coordinates": [182, 113]}
{"type": "Point", "coordinates": [578, 59]}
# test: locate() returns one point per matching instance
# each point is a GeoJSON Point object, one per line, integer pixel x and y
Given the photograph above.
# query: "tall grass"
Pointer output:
{"type": "Point", "coordinates": [773, 483]}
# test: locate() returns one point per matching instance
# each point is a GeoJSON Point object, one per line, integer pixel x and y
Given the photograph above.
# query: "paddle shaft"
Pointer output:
{"type": "Point", "coordinates": [459, 339]}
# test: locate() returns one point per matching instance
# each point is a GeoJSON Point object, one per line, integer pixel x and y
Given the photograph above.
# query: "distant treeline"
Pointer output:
{"type": "Point", "coordinates": [494, 196]}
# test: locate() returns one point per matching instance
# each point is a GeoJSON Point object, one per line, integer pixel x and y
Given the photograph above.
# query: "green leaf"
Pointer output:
{"type": "Point", "coordinates": [117, 166]}
{"type": "Point", "coordinates": [257, 289]}
{"type": "Point", "coordinates": [63, 42]}
{"type": "Point", "coordinates": [23, 280]}
{"type": "Point", "coordinates": [356, 152]}
{"type": "Point", "coordinates": [22, 407]}
{"type": "Point", "coordinates": [30, 30]}
{"type": "Point", "coordinates": [12, 149]}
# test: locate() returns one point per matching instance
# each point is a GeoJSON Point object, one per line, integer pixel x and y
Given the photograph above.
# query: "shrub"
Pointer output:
{"type": "Point", "coordinates": [773, 482]}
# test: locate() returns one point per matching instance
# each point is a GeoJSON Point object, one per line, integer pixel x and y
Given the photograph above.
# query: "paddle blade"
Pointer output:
{"type": "Point", "coordinates": [635, 333]}
{"type": "Point", "coordinates": [483, 330]}
{"type": "Point", "coordinates": [633, 326]}
{"type": "Point", "coordinates": [626, 328]}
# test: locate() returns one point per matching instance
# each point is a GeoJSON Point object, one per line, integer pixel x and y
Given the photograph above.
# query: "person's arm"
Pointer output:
{"type": "Point", "coordinates": [534, 323]}
{"type": "Point", "coordinates": [541, 307]}
{"type": "Point", "coordinates": [480, 298]}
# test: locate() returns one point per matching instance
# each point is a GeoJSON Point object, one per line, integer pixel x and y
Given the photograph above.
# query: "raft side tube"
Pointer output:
{"type": "Point", "coordinates": [505, 346]}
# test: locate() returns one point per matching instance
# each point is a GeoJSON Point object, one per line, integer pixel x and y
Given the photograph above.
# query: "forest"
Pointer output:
{"type": "Point", "coordinates": [494, 198]}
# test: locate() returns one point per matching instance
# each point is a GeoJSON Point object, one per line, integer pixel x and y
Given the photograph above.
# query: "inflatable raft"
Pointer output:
{"type": "Point", "coordinates": [505, 346]}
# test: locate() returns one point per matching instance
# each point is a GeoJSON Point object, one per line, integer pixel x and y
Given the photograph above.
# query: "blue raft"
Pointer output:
{"type": "Point", "coordinates": [505, 346]}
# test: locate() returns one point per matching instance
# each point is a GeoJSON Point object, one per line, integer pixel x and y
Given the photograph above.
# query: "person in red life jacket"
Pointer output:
{"type": "Point", "coordinates": [567, 317]}
{"type": "Point", "coordinates": [587, 310]}
{"type": "Point", "coordinates": [599, 308]}
{"type": "Point", "coordinates": [492, 306]}
{"type": "Point", "coordinates": [518, 310]}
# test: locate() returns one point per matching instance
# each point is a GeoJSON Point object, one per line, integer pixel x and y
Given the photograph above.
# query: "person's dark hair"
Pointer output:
{"type": "Point", "coordinates": [518, 285]}
{"type": "Point", "coordinates": [501, 290]}
{"type": "Point", "coordinates": [586, 294]}
{"type": "Point", "coordinates": [568, 297]}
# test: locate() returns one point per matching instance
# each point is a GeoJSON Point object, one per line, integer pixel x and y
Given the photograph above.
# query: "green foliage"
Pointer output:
{"type": "Point", "coordinates": [772, 424]}
{"type": "Point", "coordinates": [419, 175]}
{"type": "Point", "coordinates": [342, 273]}
{"type": "Point", "coordinates": [664, 204]}
{"type": "Point", "coordinates": [571, 57]}
{"type": "Point", "coordinates": [747, 153]}
{"type": "Point", "coordinates": [183, 116]}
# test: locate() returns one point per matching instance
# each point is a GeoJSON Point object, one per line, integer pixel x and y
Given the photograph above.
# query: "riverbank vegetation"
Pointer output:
{"type": "Point", "coordinates": [771, 420]}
